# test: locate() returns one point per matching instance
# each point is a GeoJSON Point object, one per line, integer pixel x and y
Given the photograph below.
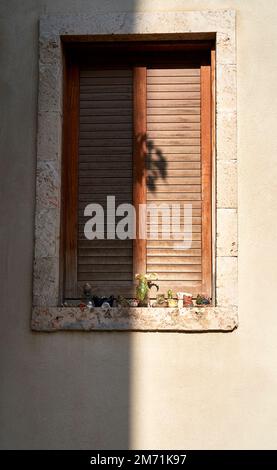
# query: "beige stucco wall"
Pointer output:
{"type": "Point", "coordinates": [119, 390]}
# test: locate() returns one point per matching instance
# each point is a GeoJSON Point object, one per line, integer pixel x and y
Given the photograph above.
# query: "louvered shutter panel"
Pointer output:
{"type": "Point", "coordinates": [174, 171]}
{"type": "Point", "coordinates": [105, 168]}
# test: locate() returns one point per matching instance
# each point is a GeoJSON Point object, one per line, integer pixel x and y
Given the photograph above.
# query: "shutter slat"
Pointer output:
{"type": "Point", "coordinates": [175, 253]}
{"type": "Point", "coordinates": [158, 229]}
{"type": "Point", "coordinates": [101, 259]}
{"type": "Point", "coordinates": [192, 286]}
{"type": "Point", "coordinates": [110, 81]}
{"type": "Point", "coordinates": [185, 87]}
{"type": "Point", "coordinates": [172, 268]}
{"type": "Point", "coordinates": [170, 118]}
{"type": "Point", "coordinates": [161, 244]}
{"type": "Point", "coordinates": [104, 112]}
{"type": "Point", "coordinates": [173, 72]}
{"type": "Point", "coordinates": [119, 104]}
{"type": "Point", "coordinates": [125, 288]}
{"type": "Point", "coordinates": [118, 152]}
{"type": "Point", "coordinates": [174, 197]}
{"type": "Point", "coordinates": [106, 142]}
{"type": "Point", "coordinates": [99, 96]}
{"type": "Point", "coordinates": [166, 103]}
{"type": "Point", "coordinates": [176, 276]}
{"type": "Point", "coordinates": [105, 73]}
{"type": "Point", "coordinates": [171, 111]}
{"type": "Point", "coordinates": [174, 134]}
{"type": "Point", "coordinates": [86, 88]}
{"type": "Point", "coordinates": [172, 95]}
{"type": "Point", "coordinates": [96, 173]}
{"type": "Point", "coordinates": [108, 276]}
{"type": "Point", "coordinates": [175, 126]}
{"type": "Point", "coordinates": [178, 161]}
{"type": "Point", "coordinates": [85, 246]}
{"type": "Point", "coordinates": [113, 126]}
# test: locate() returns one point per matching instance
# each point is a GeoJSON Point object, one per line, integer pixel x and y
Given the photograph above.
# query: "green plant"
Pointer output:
{"type": "Point", "coordinates": [145, 282]}
{"type": "Point", "coordinates": [170, 294]}
{"type": "Point", "coordinates": [170, 299]}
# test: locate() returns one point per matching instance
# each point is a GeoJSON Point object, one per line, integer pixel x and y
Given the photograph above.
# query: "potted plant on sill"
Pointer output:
{"type": "Point", "coordinates": [202, 300]}
{"type": "Point", "coordinates": [145, 283]}
{"type": "Point", "coordinates": [170, 299]}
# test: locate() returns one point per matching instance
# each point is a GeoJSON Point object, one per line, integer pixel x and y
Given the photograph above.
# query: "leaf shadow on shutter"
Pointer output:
{"type": "Point", "coordinates": [156, 167]}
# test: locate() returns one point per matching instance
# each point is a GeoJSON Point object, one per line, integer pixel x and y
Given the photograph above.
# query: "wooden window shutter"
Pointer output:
{"type": "Point", "coordinates": [105, 169]}
{"type": "Point", "coordinates": [179, 172]}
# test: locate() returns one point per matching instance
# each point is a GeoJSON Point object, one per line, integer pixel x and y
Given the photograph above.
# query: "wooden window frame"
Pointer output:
{"type": "Point", "coordinates": [206, 177]}
{"type": "Point", "coordinates": [69, 227]}
{"type": "Point", "coordinates": [139, 170]}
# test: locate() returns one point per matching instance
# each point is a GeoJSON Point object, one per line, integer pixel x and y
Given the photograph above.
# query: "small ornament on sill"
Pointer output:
{"type": "Point", "coordinates": [99, 301]}
{"type": "Point", "coordinates": [202, 300]}
{"type": "Point", "coordinates": [122, 301]}
{"type": "Point", "coordinates": [82, 306]}
{"type": "Point", "coordinates": [160, 301]}
{"type": "Point", "coordinates": [180, 297]}
{"type": "Point", "coordinates": [187, 300]}
{"type": "Point", "coordinates": [105, 305]}
{"type": "Point", "coordinates": [133, 302]}
{"type": "Point", "coordinates": [87, 290]}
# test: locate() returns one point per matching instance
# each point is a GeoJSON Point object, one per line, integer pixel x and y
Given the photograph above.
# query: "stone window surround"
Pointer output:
{"type": "Point", "coordinates": [47, 314]}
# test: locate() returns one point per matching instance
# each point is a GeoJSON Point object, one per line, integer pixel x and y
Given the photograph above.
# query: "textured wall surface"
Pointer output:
{"type": "Point", "coordinates": [149, 390]}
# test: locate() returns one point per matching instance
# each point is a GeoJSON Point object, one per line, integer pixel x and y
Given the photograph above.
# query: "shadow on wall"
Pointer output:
{"type": "Point", "coordinates": [75, 388]}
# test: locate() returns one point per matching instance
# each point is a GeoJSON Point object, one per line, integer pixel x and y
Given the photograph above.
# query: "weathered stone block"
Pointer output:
{"type": "Point", "coordinates": [48, 185]}
{"type": "Point", "coordinates": [226, 191]}
{"type": "Point", "coordinates": [50, 87]}
{"type": "Point", "coordinates": [49, 136]}
{"type": "Point", "coordinates": [50, 50]}
{"type": "Point", "coordinates": [226, 284]}
{"type": "Point", "coordinates": [47, 233]}
{"type": "Point", "coordinates": [226, 88]}
{"type": "Point", "coordinates": [226, 232]}
{"type": "Point", "coordinates": [46, 282]}
{"type": "Point", "coordinates": [226, 47]}
{"type": "Point", "coordinates": [226, 146]}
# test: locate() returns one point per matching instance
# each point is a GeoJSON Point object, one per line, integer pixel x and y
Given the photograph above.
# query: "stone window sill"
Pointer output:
{"type": "Point", "coordinates": [135, 319]}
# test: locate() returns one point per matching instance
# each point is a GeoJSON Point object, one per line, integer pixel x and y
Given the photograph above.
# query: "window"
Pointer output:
{"type": "Point", "coordinates": [67, 46]}
{"type": "Point", "coordinates": [138, 128]}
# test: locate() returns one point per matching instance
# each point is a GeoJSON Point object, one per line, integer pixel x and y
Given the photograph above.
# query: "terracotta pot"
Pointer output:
{"type": "Point", "coordinates": [187, 300]}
